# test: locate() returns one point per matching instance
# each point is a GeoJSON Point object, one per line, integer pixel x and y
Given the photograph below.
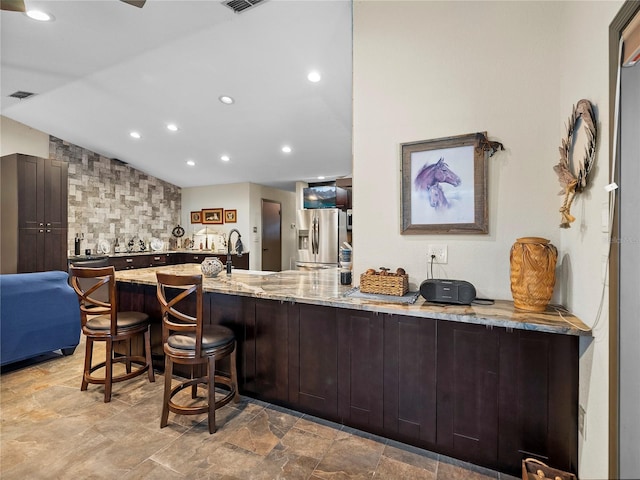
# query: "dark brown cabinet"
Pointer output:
{"type": "Point", "coordinates": [266, 344]}
{"type": "Point", "coordinates": [410, 379]}
{"type": "Point", "coordinates": [129, 262]}
{"type": "Point", "coordinates": [487, 395]}
{"type": "Point", "coordinates": [538, 399]}
{"type": "Point", "coordinates": [467, 391]}
{"type": "Point", "coordinates": [313, 360]}
{"type": "Point", "coordinates": [34, 203]}
{"type": "Point", "coordinates": [360, 369]}
{"type": "Point", "coordinates": [237, 262]}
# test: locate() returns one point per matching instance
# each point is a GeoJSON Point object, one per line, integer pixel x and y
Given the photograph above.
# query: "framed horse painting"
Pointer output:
{"type": "Point", "coordinates": [444, 185]}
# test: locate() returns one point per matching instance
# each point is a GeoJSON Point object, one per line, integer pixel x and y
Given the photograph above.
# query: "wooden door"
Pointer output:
{"type": "Point", "coordinates": [467, 392]}
{"type": "Point", "coordinates": [271, 236]}
{"type": "Point", "coordinates": [268, 338]}
{"type": "Point", "coordinates": [410, 379]}
{"type": "Point", "coordinates": [31, 243]}
{"type": "Point", "coordinates": [31, 191]}
{"type": "Point", "coordinates": [55, 249]}
{"type": "Point", "coordinates": [55, 195]}
{"type": "Point", "coordinates": [538, 399]}
{"type": "Point", "coordinates": [360, 369]}
{"type": "Point", "coordinates": [313, 359]}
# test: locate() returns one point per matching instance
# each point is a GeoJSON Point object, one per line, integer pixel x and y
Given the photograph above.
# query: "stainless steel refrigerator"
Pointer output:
{"type": "Point", "coordinates": [320, 232]}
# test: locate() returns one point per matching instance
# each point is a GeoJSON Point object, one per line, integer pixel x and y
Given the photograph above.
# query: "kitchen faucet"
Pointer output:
{"type": "Point", "coordinates": [238, 248]}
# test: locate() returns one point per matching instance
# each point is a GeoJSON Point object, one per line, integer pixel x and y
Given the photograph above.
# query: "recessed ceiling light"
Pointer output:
{"type": "Point", "coordinates": [286, 149]}
{"type": "Point", "coordinates": [227, 100]}
{"type": "Point", "coordinates": [134, 134]}
{"type": "Point", "coordinates": [321, 178]}
{"type": "Point", "coordinates": [172, 126]}
{"type": "Point", "coordinates": [314, 76]}
{"type": "Point", "coordinates": [191, 163]}
{"type": "Point", "coordinates": [40, 15]}
{"type": "Point", "coordinates": [225, 158]}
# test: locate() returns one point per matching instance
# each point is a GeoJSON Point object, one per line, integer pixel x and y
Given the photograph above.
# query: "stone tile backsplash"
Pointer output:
{"type": "Point", "coordinates": [108, 199]}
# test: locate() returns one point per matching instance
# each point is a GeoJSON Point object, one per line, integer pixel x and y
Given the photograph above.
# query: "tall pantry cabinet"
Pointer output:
{"type": "Point", "coordinates": [34, 214]}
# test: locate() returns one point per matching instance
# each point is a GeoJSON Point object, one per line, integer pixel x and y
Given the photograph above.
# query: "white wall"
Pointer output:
{"type": "Point", "coordinates": [584, 74]}
{"type": "Point", "coordinates": [246, 199]}
{"type": "Point", "coordinates": [18, 138]}
{"type": "Point", "coordinates": [288, 217]}
{"type": "Point", "coordinates": [425, 70]}
{"type": "Point", "coordinates": [228, 197]}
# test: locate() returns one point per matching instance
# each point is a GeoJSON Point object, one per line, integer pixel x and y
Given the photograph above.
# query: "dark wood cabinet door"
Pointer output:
{"type": "Point", "coordinates": [55, 194]}
{"type": "Point", "coordinates": [31, 191]}
{"type": "Point", "coordinates": [237, 313]}
{"type": "Point", "coordinates": [129, 262]}
{"type": "Point", "coordinates": [313, 358]}
{"type": "Point", "coordinates": [410, 379]}
{"type": "Point", "coordinates": [538, 399]}
{"type": "Point", "coordinates": [467, 392]}
{"type": "Point", "coordinates": [360, 369]}
{"type": "Point", "coordinates": [267, 346]}
{"type": "Point", "coordinates": [42, 249]}
{"type": "Point", "coordinates": [55, 249]}
{"type": "Point", "coordinates": [31, 246]}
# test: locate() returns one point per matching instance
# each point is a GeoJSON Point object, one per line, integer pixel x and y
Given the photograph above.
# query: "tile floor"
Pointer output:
{"type": "Point", "coordinates": [51, 430]}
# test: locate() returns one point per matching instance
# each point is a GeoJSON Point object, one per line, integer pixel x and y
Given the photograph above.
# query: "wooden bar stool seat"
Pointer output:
{"type": "Point", "coordinates": [101, 322]}
{"type": "Point", "coordinates": [187, 341]}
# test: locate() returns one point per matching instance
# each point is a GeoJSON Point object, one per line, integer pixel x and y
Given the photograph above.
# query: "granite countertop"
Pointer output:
{"type": "Point", "coordinates": [322, 287]}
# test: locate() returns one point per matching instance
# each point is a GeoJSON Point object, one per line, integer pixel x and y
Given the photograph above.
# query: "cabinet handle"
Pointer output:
{"type": "Point", "coordinates": [156, 258]}
{"type": "Point", "coordinates": [41, 224]}
{"type": "Point", "coordinates": [48, 230]}
{"type": "Point", "coordinates": [48, 224]}
{"type": "Point", "coordinates": [129, 260]}
{"type": "Point", "coordinates": [41, 231]}
{"type": "Point", "coordinates": [195, 257]}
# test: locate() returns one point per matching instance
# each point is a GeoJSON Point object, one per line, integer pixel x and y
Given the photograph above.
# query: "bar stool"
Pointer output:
{"type": "Point", "coordinates": [101, 322]}
{"type": "Point", "coordinates": [187, 341]}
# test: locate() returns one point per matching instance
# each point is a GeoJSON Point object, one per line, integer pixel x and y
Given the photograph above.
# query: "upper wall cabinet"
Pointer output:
{"type": "Point", "coordinates": [42, 192]}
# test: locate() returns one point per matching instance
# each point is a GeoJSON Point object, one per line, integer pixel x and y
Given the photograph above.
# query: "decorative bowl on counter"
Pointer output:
{"type": "Point", "coordinates": [211, 266]}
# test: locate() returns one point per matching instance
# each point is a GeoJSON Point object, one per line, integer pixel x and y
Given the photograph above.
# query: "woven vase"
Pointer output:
{"type": "Point", "coordinates": [533, 273]}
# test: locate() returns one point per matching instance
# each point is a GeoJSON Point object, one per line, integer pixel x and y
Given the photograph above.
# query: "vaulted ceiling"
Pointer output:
{"type": "Point", "coordinates": [103, 69]}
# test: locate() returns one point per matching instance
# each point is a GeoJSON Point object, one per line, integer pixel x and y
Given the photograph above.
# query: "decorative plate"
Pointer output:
{"type": "Point", "coordinates": [156, 244]}
{"type": "Point", "coordinates": [103, 246]}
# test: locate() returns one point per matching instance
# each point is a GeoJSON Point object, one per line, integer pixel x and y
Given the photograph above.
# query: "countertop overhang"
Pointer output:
{"type": "Point", "coordinates": [323, 288]}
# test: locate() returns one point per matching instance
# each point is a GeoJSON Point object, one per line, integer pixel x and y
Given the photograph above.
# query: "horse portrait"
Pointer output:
{"type": "Point", "coordinates": [431, 176]}
{"type": "Point", "coordinates": [436, 197]}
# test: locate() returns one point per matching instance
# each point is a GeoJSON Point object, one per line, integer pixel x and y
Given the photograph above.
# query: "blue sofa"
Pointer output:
{"type": "Point", "coordinates": [39, 313]}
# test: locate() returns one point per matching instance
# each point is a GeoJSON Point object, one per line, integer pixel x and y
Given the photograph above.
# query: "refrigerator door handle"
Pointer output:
{"type": "Point", "coordinates": [314, 236]}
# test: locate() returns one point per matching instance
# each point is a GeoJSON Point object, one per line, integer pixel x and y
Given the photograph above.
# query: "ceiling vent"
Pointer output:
{"type": "Point", "coordinates": [241, 5]}
{"type": "Point", "coordinates": [20, 95]}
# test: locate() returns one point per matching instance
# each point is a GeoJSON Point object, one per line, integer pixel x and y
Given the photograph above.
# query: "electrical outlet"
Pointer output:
{"type": "Point", "coordinates": [439, 251]}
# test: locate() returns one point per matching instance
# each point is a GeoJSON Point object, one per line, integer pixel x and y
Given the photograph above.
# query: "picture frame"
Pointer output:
{"type": "Point", "coordinates": [230, 216]}
{"type": "Point", "coordinates": [196, 217]}
{"type": "Point", "coordinates": [212, 216]}
{"type": "Point", "coordinates": [444, 185]}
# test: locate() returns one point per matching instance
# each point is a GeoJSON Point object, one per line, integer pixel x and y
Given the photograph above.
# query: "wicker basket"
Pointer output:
{"type": "Point", "coordinates": [534, 469]}
{"type": "Point", "coordinates": [391, 284]}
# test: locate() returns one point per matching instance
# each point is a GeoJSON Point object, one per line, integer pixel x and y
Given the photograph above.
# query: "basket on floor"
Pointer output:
{"type": "Point", "coordinates": [533, 469]}
{"type": "Point", "coordinates": [390, 284]}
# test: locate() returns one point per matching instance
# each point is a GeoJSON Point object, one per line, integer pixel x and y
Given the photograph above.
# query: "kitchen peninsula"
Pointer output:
{"type": "Point", "coordinates": [486, 384]}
